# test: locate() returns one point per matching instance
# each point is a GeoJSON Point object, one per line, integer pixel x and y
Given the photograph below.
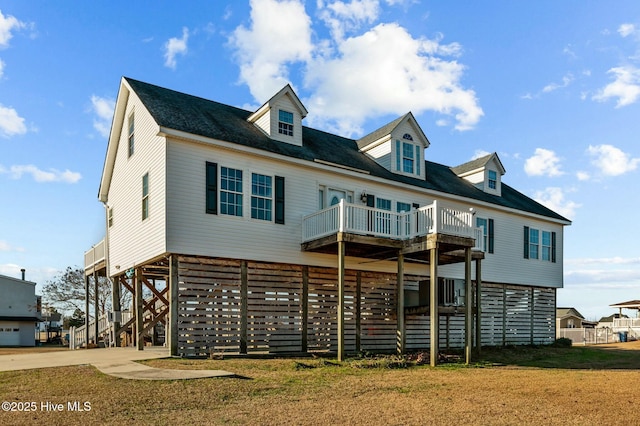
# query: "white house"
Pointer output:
{"type": "Point", "coordinates": [19, 311]}
{"type": "Point", "coordinates": [255, 233]}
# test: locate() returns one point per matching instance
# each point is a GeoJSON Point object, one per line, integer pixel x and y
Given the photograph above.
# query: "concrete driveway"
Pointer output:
{"type": "Point", "coordinates": [118, 362]}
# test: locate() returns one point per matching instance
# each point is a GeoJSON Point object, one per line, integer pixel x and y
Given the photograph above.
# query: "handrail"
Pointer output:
{"type": "Point", "coordinates": [363, 220]}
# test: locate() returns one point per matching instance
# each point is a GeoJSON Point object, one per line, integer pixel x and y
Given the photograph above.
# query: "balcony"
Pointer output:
{"type": "Point", "coordinates": [95, 258]}
{"type": "Point", "coordinates": [411, 231]}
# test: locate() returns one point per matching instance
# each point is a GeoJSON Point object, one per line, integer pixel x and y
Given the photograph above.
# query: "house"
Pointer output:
{"type": "Point", "coordinates": [607, 322]}
{"type": "Point", "coordinates": [568, 318]}
{"type": "Point", "coordinates": [253, 233]}
{"type": "Point", "coordinates": [19, 311]}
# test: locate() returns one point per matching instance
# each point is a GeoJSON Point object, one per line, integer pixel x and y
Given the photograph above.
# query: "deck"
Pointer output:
{"type": "Point", "coordinates": [381, 234]}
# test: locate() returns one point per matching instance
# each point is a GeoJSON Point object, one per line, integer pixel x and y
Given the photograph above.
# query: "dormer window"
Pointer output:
{"type": "Point", "coordinates": [285, 123]}
{"type": "Point", "coordinates": [493, 180]}
{"type": "Point", "coordinates": [408, 157]}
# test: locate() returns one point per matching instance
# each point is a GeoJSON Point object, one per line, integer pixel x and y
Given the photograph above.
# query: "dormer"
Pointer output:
{"type": "Point", "coordinates": [484, 172]}
{"type": "Point", "coordinates": [398, 146]}
{"type": "Point", "coordinates": [281, 117]}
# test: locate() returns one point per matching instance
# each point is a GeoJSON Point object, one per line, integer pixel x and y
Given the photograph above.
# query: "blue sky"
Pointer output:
{"type": "Point", "coordinates": [553, 87]}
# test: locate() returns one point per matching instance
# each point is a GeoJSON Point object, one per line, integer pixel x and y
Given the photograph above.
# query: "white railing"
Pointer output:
{"type": "Point", "coordinates": [358, 219]}
{"type": "Point", "coordinates": [94, 255]}
{"type": "Point", "coordinates": [626, 323]}
{"type": "Point", "coordinates": [77, 335]}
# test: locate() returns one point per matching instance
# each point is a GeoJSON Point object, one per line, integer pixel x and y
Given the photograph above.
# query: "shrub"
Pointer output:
{"type": "Point", "coordinates": [562, 342]}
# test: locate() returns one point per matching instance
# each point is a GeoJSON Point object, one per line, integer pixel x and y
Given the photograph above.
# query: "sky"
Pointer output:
{"type": "Point", "coordinates": [552, 87]}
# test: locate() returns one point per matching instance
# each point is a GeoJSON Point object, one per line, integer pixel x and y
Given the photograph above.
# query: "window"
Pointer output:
{"type": "Point", "coordinates": [230, 191]}
{"type": "Point", "coordinates": [402, 207]}
{"type": "Point", "coordinates": [408, 157]}
{"type": "Point", "coordinates": [546, 245]}
{"type": "Point", "coordinates": [482, 223]}
{"type": "Point", "coordinates": [534, 240]}
{"type": "Point", "coordinates": [131, 131]}
{"type": "Point", "coordinates": [448, 292]}
{"type": "Point", "coordinates": [285, 123]}
{"type": "Point", "coordinates": [145, 196]}
{"type": "Point", "coordinates": [383, 204]}
{"type": "Point", "coordinates": [110, 216]}
{"type": "Point", "coordinates": [493, 179]}
{"type": "Point", "coordinates": [261, 198]}
{"type": "Point", "coordinates": [539, 247]}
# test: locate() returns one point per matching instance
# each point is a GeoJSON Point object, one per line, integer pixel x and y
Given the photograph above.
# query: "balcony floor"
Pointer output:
{"type": "Point", "coordinates": [451, 248]}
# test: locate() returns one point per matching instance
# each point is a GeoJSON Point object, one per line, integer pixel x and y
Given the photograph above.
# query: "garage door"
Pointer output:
{"type": "Point", "coordinates": [9, 333]}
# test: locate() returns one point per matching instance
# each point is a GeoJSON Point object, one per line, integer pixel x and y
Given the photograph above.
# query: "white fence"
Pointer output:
{"type": "Point", "coordinates": [358, 219]}
{"type": "Point", "coordinates": [94, 255]}
{"type": "Point", "coordinates": [589, 336]}
{"type": "Point", "coordinates": [78, 337]}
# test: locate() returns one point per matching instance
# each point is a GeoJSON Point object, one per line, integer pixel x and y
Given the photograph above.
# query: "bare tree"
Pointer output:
{"type": "Point", "coordinates": [66, 291]}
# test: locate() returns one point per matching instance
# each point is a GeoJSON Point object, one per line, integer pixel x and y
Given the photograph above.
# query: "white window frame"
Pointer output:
{"type": "Point", "coordinates": [231, 208]}
{"type": "Point", "coordinates": [266, 197]}
{"type": "Point", "coordinates": [285, 127]}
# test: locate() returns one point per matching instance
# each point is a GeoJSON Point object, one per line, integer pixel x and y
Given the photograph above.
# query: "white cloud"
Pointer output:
{"type": "Point", "coordinates": [566, 80]}
{"type": "Point", "coordinates": [103, 108]}
{"type": "Point", "coordinates": [5, 246]}
{"type": "Point", "coordinates": [625, 87]}
{"type": "Point", "coordinates": [544, 162]}
{"type": "Point", "coordinates": [612, 161]}
{"type": "Point", "coordinates": [11, 123]}
{"type": "Point", "coordinates": [604, 261]}
{"type": "Point", "coordinates": [480, 153]}
{"type": "Point", "coordinates": [7, 25]}
{"type": "Point", "coordinates": [607, 276]}
{"type": "Point", "coordinates": [175, 46]}
{"type": "Point", "coordinates": [352, 77]}
{"type": "Point", "coordinates": [342, 17]}
{"type": "Point", "coordinates": [365, 80]}
{"type": "Point", "coordinates": [280, 34]}
{"type": "Point", "coordinates": [626, 30]}
{"type": "Point", "coordinates": [583, 176]}
{"type": "Point", "coordinates": [41, 176]}
{"type": "Point", "coordinates": [554, 198]}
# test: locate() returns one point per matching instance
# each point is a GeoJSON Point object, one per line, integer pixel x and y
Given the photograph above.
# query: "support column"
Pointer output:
{"type": "Point", "coordinates": [341, 250]}
{"type": "Point", "coordinates": [434, 320]}
{"type": "Point", "coordinates": [468, 320]}
{"type": "Point", "coordinates": [173, 305]}
{"type": "Point", "coordinates": [139, 309]}
{"type": "Point", "coordinates": [478, 306]}
{"type": "Point", "coordinates": [304, 326]}
{"type": "Point", "coordinates": [400, 335]}
{"type": "Point", "coordinates": [358, 311]}
{"type": "Point", "coordinates": [86, 311]}
{"type": "Point", "coordinates": [95, 306]}
{"type": "Point", "coordinates": [244, 305]}
{"type": "Point", "coordinates": [117, 309]}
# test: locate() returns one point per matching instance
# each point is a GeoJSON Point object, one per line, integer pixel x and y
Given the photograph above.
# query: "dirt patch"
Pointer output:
{"type": "Point", "coordinates": [32, 349]}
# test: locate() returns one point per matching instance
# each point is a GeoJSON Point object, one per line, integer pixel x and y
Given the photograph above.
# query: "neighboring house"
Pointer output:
{"type": "Point", "coordinates": [19, 311]}
{"type": "Point", "coordinates": [568, 318]}
{"type": "Point", "coordinates": [607, 322]}
{"type": "Point", "coordinates": [50, 327]}
{"type": "Point", "coordinates": [256, 233]}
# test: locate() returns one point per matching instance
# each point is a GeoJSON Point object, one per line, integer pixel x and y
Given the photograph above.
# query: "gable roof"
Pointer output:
{"type": "Point", "coordinates": [209, 119]}
{"type": "Point", "coordinates": [568, 312]}
{"type": "Point", "coordinates": [478, 163]}
{"type": "Point", "coordinates": [286, 90]}
{"type": "Point", "coordinates": [387, 129]}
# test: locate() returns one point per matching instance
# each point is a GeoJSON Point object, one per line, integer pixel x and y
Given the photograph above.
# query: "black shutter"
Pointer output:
{"type": "Point", "coordinates": [371, 200]}
{"type": "Point", "coordinates": [212, 188]}
{"type": "Point", "coordinates": [490, 236]}
{"type": "Point", "coordinates": [553, 247]}
{"type": "Point", "coordinates": [279, 200]}
{"type": "Point", "coordinates": [526, 242]}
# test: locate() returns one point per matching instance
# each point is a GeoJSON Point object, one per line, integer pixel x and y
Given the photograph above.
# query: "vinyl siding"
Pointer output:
{"type": "Point", "coordinates": [382, 154]}
{"type": "Point", "coordinates": [132, 240]}
{"type": "Point", "coordinates": [191, 231]}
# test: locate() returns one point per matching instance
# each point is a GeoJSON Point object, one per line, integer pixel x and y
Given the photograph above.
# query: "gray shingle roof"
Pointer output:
{"type": "Point", "coordinates": [191, 114]}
